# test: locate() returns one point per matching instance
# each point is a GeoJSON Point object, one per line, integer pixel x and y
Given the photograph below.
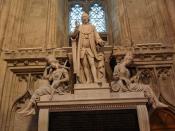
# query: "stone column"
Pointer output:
{"type": "Point", "coordinates": [5, 99]}
{"type": "Point", "coordinates": [171, 10]}
{"type": "Point", "coordinates": [12, 24]}
{"type": "Point", "coordinates": [119, 22]}
{"type": "Point", "coordinates": [124, 23]}
{"type": "Point", "coordinates": [51, 24]}
{"type": "Point", "coordinates": [4, 10]}
{"type": "Point", "coordinates": [143, 118]}
{"type": "Point", "coordinates": [167, 22]}
{"type": "Point", "coordinates": [43, 122]}
{"type": "Point", "coordinates": [55, 24]}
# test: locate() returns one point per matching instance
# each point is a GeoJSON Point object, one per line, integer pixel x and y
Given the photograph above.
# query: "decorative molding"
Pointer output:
{"type": "Point", "coordinates": [91, 107]}
{"type": "Point", "coordinates": [143, 118]}
{"type": "Point", "coordinates": [147, 53]}
{"type": "Point", "coordinates": [33, 53]}
{"type": "Point", "coordinates": [31, 59]}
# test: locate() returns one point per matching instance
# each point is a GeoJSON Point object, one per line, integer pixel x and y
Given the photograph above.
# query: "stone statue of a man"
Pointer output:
{"type": "Point", "coordinates": [86, 53]}
{"type": "Point", "coordinates": [55, 76]}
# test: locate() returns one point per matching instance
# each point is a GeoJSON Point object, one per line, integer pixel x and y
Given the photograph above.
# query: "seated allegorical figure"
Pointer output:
{"type": "Point", "coordinates": [124, 83]}
{"type": "Point", "coordinates": [55, 76]}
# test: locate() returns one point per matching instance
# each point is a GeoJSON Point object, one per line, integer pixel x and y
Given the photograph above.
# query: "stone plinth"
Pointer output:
{"type": "Point", "coordinates": [93, 90]}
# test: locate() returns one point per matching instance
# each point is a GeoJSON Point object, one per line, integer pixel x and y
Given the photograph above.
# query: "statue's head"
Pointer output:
{"type": "Point", "coordinates": [52, 61]}
{"type": "Point", "coordinates": [128, 58]}
{"type": "Point", "coordinates": [85, 18]}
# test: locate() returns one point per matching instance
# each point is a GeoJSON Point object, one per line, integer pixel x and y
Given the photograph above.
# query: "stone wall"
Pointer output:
{"type": "Point", "coordinates": [32, 24]}
{"type": "Point", "coordinates": [146, 21]}
{"type": "Point", "coordinates": [42, 24]}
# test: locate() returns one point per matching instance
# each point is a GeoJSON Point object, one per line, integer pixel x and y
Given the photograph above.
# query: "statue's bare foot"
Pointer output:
{"type": "Point", "coordinates": [50, 98]}
{"type": "Point", "coordinates": [160, 104]}
{"type": "Point", "coordinates": [31, 112]}
{"type": "Point", "coordinates": [88, 81]}
{"type": "Point", "coordinates": [61, 93]}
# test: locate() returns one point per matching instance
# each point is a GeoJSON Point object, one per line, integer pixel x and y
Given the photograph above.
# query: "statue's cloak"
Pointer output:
{"type": "Point", "coordinates": [93, 37]}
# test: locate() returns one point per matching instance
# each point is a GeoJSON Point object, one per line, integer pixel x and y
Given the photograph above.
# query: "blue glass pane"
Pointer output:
{"type": "Point", "coordinates": [97, 17]}
{"type": "Point", "coordinates": [75, 15]}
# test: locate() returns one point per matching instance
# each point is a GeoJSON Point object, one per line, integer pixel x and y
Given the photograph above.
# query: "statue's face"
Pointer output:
{"type": "Point", "coordinates": [54, 64]}
{"type": "Point", "coordinates": [127, 61]}
{"type": "Point", "coordinates": [85, 19]}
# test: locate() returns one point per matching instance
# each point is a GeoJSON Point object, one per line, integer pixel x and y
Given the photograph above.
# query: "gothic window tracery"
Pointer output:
{"type": "Point", "coordinates": [95, 9]}
{"type": "Point", "coordinates": [97, 17]}
{"type": "Point", "coordinates": [75, 16]}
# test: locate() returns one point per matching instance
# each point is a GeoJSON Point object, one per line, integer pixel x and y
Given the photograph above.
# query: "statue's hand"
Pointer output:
{"type": "Point", "coordinates": [135, 78]}
{"type": "Point", "coordinates": [116, 77]}
{"type": "Point", "coordinates": [101, 42]}
{"type": "Point", "coordinates": [77, 24]}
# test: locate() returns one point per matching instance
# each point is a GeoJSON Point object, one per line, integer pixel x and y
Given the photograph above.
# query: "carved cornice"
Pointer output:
{"type": "Point", "coordinates": [84, 105]}
{"type": "Point", "coordinates": [147, 53]}
{"type": "Point", "coordinates": [31, 58]}
{"type": "Point", "coordinates": [33, 53]}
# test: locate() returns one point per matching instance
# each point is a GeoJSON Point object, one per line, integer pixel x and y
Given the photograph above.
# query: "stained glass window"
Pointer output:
{"type": "Point", "coordinates": [97, 17]}
{"type": "Point", "coordinates": [75, 16]}
{"type": "Point", "coordinates": [95, 10]}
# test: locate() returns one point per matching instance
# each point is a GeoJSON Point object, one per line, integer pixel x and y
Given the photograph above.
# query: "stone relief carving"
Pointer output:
{"type": "Point", "coordinates": [124, 83]}
{"type": "Point", "coordinates": [166, 83]}
{"type": "Point", "coordinates": [87, 59]}
{"type": "Point", "coordinates": [54, 80]}
{"type": "Point", "coordinates": [148, 77]}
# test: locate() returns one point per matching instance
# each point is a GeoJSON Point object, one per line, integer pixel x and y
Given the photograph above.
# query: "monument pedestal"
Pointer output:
{"type": "Point", "coordinates": [94, 97]}
{"type": "Point", "coordinates": [92, 90]}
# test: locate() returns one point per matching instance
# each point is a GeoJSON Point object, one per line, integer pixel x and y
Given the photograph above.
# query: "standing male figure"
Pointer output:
{"type": "Point", "coordinates": [86, 53]}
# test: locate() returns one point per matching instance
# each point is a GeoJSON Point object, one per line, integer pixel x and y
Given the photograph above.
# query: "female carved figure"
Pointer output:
{"type": "Point", "coordinates": [122, 82]}
{"type": "Point", "coordinates": [56, 76]}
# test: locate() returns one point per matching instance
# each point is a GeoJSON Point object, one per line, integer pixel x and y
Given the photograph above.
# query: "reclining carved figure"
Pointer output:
{"type": "Point", "coordinates": [54, 78]}
{"type": "Point", "coordinates": [123, 83]}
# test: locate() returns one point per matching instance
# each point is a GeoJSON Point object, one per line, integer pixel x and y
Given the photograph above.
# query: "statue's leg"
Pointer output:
{"type": "Point", "coordinates": [55, 85]}
{"type": "Point", "coordinates": [85, 67]}
{"type": "Point", "coordinates": [39, 92]}
{"type": "Point", "coordinates": [152, 98]}
{"type": "Point", "coordinates": [93, 68]}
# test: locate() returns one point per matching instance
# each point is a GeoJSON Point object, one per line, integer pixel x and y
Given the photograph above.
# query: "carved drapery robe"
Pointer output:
{"type": "Point", "coordinates": [88, 39]}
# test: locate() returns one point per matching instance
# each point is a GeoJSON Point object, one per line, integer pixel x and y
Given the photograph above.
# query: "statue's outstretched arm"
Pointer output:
{"type": "Point", "coordinates": [98, 38]}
